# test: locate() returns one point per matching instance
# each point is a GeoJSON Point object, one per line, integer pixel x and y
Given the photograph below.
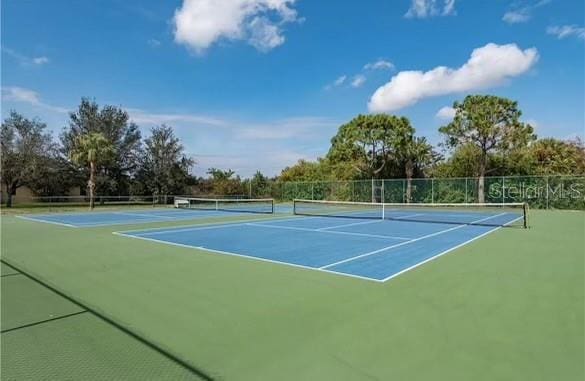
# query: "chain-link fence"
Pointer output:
{"type": "Point", "coordinates": [545, 192]}
{"type": "Point", "coordinates": [558, 192]}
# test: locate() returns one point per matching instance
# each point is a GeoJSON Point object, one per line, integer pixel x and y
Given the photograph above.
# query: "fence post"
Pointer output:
{"type": "Point", "coordinates": [547, 199]}
{"type": "Point", "coordinates": [382, 192]}
{"type": "Point", "coordinates": [432, 191]}
{"type": "Point", "coordinates": [503, 189]}
{"type": "Point", "coordinates": [466, 190]}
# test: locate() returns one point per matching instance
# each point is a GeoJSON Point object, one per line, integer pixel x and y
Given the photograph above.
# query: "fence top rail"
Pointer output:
{"type": "Point", "coordinates": [415, 204]}
{"type": "Point", "coordinates": [577, 176]}
{"type": "Point", "coordinates": [86, 197]}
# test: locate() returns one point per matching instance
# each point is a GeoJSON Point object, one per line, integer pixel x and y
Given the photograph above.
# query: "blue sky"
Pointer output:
{"type": "Point", "coordinates": [259, 84]}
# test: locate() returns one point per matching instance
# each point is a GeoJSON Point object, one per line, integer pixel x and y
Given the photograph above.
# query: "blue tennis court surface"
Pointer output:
{"type": "Point", "coordinates": [94, 219]}
{"type": "Point", "coordinates": [369, 249]}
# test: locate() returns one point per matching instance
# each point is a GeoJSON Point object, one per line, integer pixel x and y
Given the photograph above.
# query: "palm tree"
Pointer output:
{"type": "Point", "coordinates": [413, 151]}
{"type": "Point", "coordinates": [92, 150]}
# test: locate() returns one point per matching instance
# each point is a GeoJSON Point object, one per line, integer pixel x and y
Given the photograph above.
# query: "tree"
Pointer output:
{"type": "Point", "coordinates": [490, 123]}
{"type": "Point", "coordinates": [556, 157]}
{"type": "Point", "coordinates": [223, 182]}
{"type": "Point", "coordinates": [55, 177]}
{"type": "Point", "coordinates": [305, 170]}
{"type": "Point", "coordinates": [414, 152]}
{"type": "Point", "coordinates": [113, 124]}
{"type": "Point", "coordinates": [461, 163]}
{"type": "Point", "coordinates": [92, 150]}
{"type": "Point", "coordinates": [165, 167]}
{"type": "Point", "coordinates": [367, 142]}
{"type": "Point", "coordinates": [259, 185]}
{"type": "Point", "coordinates": [25, 149]}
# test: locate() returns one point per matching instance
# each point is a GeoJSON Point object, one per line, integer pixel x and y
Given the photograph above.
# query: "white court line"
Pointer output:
{"type": "Point", "coordinates": [407, 242]}
{"type": "Point", "coordinates": [205, 226]}
{"type": "Point", "coordinates": [246, 256]}
{"type": "Point", "coordinates": [46, 221]}
{"type": "Point", "coordinates": [448, 250]}
{"type": "Point", "coordinates": [302, 266]}
{"type": "Point", "coordinates": [142, 215]}
{"type": "Point", "coordinates": [345, 225]}
{"type": "Point", "coordinates": [139, 221]}
{"type": "Point", "coordinates": [327, 231]}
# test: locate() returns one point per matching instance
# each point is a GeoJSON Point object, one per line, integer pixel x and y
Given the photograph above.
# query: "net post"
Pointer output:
{"type": "Point", "coordinates": [383, 211]}
{"type": "Point", "coordinates": [525, 214]}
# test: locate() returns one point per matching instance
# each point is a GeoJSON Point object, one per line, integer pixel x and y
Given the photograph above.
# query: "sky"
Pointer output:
{"type": "Point", "coordinates": [259, 84]}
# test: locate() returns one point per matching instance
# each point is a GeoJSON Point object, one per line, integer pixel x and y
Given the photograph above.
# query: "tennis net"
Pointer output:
{"type": "Point", "coordinates": [488, 214]}
{"type": "Point", "coordinates": [259, 205]}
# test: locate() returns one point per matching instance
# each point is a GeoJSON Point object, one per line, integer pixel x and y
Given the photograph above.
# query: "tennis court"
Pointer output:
{"type": "Point", "coordinates": [363, 240]}
{"type": "Point", "coordinates": [199, 208]}
{"type": "Point", "coordinates": [249, 296]}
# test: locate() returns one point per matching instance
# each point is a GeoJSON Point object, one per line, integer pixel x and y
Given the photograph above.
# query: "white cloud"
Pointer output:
{"type": "Point", "coordinates": [516, 17]}
{"type": "Point", "coordinates": [565, 31]}
{"type": "Point", "coordinates": [19, 94]}
{"type": "Point", "coordinates": [24, 60]}
{"type": "Point", "coordinates": [247, 146]}
{"type": "Point", "coordinates": [521, 11]}
{"type": "Point", "coordinates": [201, 23]}
{"type": "Point", "coordinates": [299, 127]}
{"type": "Point", "coordinates": [428, 8]}
{"type": "Point", "coordinates": [246, 165]}
{"type": "Point", "coordinates": [446, 113]}
{"type": "Point", "coordinates": [488, 66]}
{"type": "Point", "coordinates": [40, 60]}
{"type": "Point", "coordinates": [339, 81]}
{"type": "Point", "coordinates": [292, 128]}
{"type": "Point", "coordinates": [358, 80]}
{"type": "Point", "coordinates": [31, 97]}
{"type": "Point", "coordinates": [150, 118]}
{"type": "Point", "coordinates": [379, 65]}
{"type": "Point", "coordinates": [153, 42]}
{"type": "Point", "coordinates": [264, 35]}
{"type": "Point", "coordinates": [449, 8]}
{"type": "Point", "coordinates": [217, 141]}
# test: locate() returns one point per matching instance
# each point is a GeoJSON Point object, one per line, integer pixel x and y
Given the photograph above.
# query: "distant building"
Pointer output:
{"type": "Point", "coordinates": [25, 195]}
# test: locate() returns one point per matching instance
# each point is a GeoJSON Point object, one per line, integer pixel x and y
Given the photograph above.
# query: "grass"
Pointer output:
{"type": "Point", "coordinates": [506, 307]}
